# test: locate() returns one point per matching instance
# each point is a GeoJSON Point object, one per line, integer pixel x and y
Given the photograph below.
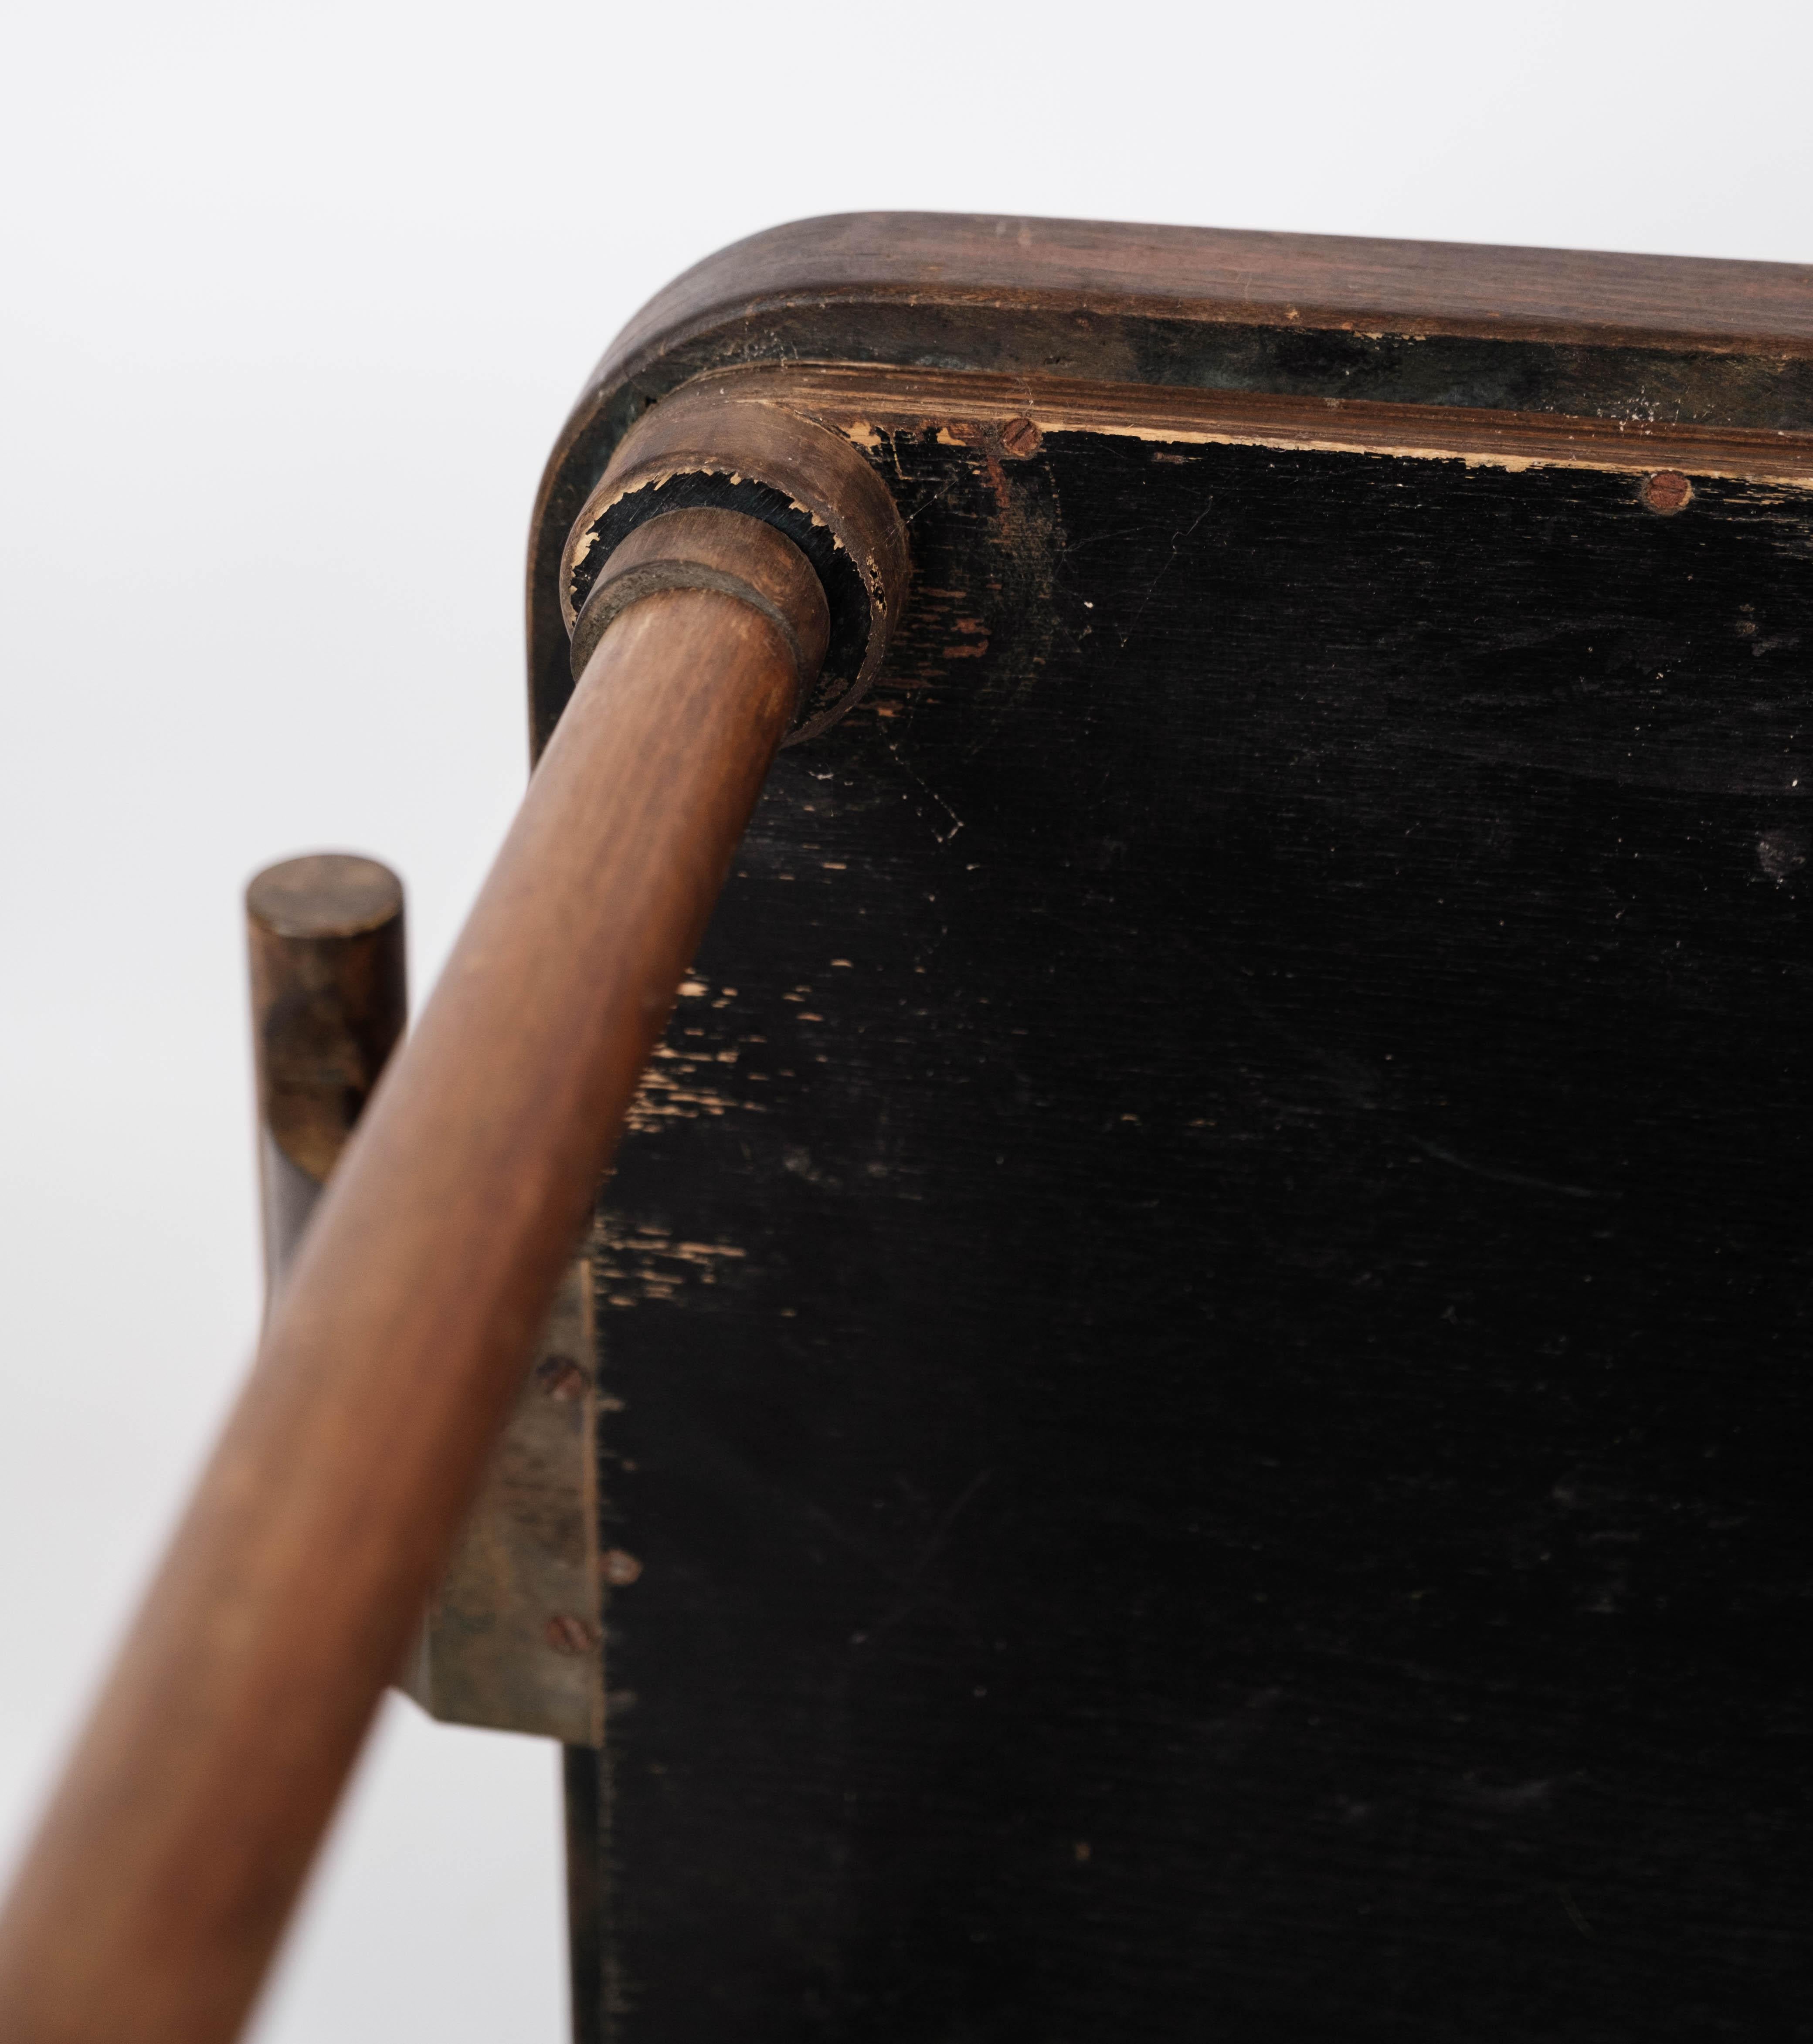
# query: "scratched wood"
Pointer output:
{"type": "Point", "coordinates": [1356, 324]}
{"type": "Point", "coordinates": [1206, 1318]}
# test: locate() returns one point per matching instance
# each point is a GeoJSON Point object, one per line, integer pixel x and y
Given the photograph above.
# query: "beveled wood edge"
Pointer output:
{"type": "Point", "coordinates": [1228, 275]}
{"type": "Point", "coordinates": [859, 400]}
{"type": "Point", "coordinates": [1112, 298]}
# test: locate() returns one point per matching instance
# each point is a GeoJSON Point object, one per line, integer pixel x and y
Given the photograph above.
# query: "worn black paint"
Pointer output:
{"type": "Point", "coordinates": [1246, 1478]}
{"type": "Point", "coordinates": [1642, 386]}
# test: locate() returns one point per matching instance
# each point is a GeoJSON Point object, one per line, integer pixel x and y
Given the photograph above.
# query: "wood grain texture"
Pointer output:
{"type": "Point", "coordinates": [1226, 274]}
{"type": "Point", "coordinates": [149, 1903]}
{"type": "Point", "coordinates": [1210, 1298]}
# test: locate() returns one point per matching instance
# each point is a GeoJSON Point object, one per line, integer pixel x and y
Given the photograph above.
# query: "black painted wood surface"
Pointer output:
{"type": "Point", "coordinates": [1210, 1305]}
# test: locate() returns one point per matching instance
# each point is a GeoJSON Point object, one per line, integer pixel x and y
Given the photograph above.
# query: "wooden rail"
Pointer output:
{"type": "Point", "coordinates": [167, 1864]}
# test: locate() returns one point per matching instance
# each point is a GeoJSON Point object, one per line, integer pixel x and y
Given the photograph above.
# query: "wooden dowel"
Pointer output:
{"type": "Point", "coordinates": [149, 1904]}
{"type": "Point", "coordinates": [330, 998]}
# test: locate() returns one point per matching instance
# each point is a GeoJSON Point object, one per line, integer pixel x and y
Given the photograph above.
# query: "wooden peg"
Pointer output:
{"type": "Point", "coordinates": [330, 999]}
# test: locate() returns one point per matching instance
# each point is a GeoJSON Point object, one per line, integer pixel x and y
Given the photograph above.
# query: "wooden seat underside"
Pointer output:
{"type": "Point", "coordinates": [1205, 1311]}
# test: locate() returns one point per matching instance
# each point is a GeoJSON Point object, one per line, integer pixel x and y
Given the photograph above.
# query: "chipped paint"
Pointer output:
{"type": "Point", "coordinates": [642, 1264]}
{"type": "Point", "coordinates": [671, 1089]}
{"type": "Point", "coordinates": [961, 408]}
{"type": "Point", "coordinates": [581, 541]}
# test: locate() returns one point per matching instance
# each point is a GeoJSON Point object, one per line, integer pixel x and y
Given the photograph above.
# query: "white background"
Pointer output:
{"type": "Point", "coordinates": [293, 300]}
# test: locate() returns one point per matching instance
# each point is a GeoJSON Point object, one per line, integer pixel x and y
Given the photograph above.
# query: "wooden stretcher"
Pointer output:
{"type": "Point", "coordinates": [1171, 868]}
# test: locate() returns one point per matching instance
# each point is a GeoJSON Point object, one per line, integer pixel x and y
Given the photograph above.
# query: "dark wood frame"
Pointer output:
{"type": "Point", "coordinates": [160, 1881]}
{"type": "Point", "coordinates": [1324, 340]}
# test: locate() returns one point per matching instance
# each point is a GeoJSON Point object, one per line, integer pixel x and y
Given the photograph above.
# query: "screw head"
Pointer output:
{"type": "Point", "coordinates": [1666, 492]}
{"type": "Point", "coordinates": [568, 1634]}
{"type": "Point", "coordinates": [1021, 438]}
{"type": "Point", "coordinates": [560, 1377]}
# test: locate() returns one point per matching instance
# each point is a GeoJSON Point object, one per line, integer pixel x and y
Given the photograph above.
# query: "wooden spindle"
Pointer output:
{"type": "Point", "coordinates": [157, 1887]}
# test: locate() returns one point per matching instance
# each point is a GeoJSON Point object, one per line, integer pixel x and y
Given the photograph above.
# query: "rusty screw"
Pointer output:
{"type": "Point", "coordinates": [618, 1569]}
{"type": "Point", "coordinates": [1021, 438]}
{"type": "Point", "coordinates": [567, 1635]}
{"type": "Point", "coordinates": [559, 1377]}
{"type": "Point", "coordinates": [1666, 492]}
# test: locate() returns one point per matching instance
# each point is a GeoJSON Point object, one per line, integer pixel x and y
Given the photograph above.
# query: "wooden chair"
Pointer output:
{"type": "Point", "coordinates": [1183, 857]}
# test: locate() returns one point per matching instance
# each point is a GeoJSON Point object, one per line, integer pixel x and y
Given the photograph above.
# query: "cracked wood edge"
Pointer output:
{"type": "Point", "coordinates": [856, 399]}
